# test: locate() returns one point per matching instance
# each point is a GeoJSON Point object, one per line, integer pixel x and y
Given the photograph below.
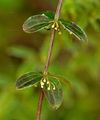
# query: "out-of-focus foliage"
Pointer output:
{"type": "Point", "coordinates": [76, 61]}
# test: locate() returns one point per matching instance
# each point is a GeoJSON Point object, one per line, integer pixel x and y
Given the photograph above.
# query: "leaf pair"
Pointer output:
{"type": "Point", "coordinates": [46, 20]}
{"type": "Point", "coordinates": [49, 83]}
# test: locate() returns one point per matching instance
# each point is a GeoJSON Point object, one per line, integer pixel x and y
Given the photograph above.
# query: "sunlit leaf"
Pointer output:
{"type": "Point", "coordinates": [53, 92]}
{"type": "Point", "coordinates": [74, 29]}
{"type": "Point", "coordinates": [28, 79]}
{"type": "Point", "coordinates": [36, 23]}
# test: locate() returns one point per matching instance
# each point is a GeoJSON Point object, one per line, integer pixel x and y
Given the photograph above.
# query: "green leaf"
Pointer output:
{"type": "Point", "coordinates": [49, 14]}
{"type": "Point", "coordinates": [65, 81]}
{"type": "Point", "coordinates": [36, 23]}
{"type": "Point", "coordinates": [74, 29]}
{"type": "Point", "coordinates": [53, 92]}
{"type": "Point", "coordinates": [28, 79]}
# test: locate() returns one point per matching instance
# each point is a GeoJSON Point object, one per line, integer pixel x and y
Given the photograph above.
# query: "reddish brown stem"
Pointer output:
{"type": "Point", "coordinates": [57, 14]}
{"type": "Point", "coordinates": [39, 105]}
{"type": "Point", "coordinates": [50, 50]}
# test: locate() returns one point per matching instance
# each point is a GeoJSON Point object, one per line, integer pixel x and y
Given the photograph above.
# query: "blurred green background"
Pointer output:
{"type": "Point", "coordinates": [79, 62]}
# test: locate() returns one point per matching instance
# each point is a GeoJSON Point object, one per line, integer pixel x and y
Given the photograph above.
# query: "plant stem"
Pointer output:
{"type": "Point", "coordinates": [50, 50]}
{"type": "Point", "coordinates": [39, 105]}
{"type": "Point", "coordinates": [57, 14]}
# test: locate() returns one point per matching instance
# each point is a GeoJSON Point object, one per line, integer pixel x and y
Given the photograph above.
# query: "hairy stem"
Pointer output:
{"type": "Point", "coordinates": [57, 14]}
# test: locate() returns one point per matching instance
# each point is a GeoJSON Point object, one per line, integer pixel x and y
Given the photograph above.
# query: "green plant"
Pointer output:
{"type": "Point", "coordinates": [50, 85]}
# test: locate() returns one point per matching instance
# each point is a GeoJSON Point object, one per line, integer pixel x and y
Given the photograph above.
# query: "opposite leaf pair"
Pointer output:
{"type": "Point", "coordinates": [50, 84]}
{"type": "Point", "coordinates": [46, 21]}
